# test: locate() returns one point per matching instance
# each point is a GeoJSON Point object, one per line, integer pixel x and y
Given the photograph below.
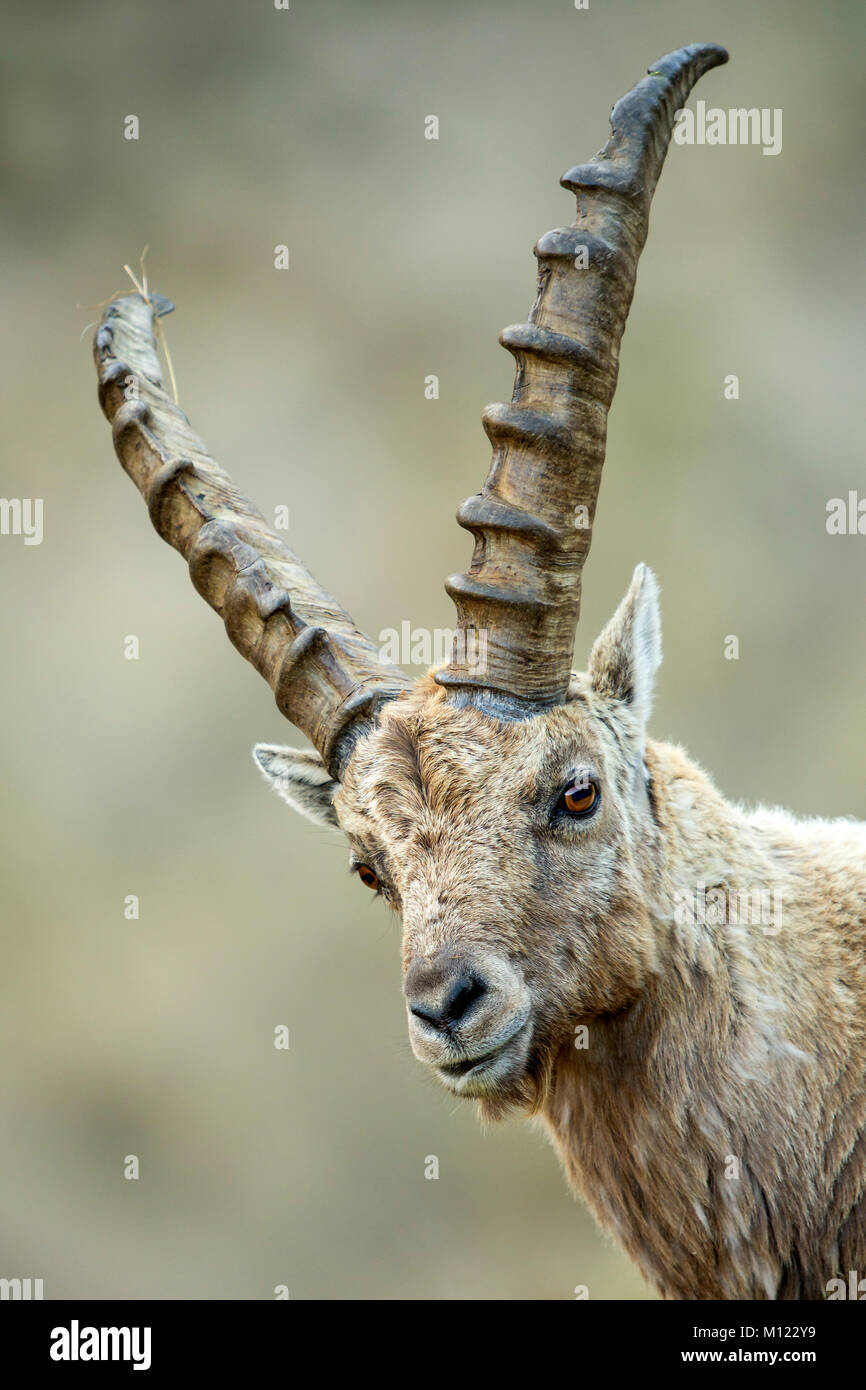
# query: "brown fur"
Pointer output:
{"type": "Point", "coordinates": [716, 1121]}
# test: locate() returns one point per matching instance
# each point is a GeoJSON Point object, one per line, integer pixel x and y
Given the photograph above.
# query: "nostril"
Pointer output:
{"type": "Point", "coordinates": [463, 995]}
{"type": "Point", "coordinates": [460, 994]}
{"type": "Point", "coordinates": [427, 1014]}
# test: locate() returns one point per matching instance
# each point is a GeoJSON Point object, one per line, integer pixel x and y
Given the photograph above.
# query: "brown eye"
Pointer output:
{"type": "Point", "coordinates": [366, 875]}
{"type": "Point", "coordinates": [580, 799]}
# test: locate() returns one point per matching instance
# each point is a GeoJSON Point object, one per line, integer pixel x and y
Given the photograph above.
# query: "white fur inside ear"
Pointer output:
{"type": "Point", "coordinates": [300, 777]}
{"type": "Point", "coordinates": [626, 656]}
{"type": "Point", "coordinates": [646, 639]}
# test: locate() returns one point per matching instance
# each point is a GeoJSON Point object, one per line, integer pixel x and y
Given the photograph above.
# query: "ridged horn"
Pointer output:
{"type": "Point", "coordinates": [328, 678]}
{"type": "Point", "coordinates": [519, 603]}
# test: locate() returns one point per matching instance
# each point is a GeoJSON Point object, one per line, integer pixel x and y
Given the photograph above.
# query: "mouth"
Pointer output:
{"type": "Point", "coordinates": [487, 1071]}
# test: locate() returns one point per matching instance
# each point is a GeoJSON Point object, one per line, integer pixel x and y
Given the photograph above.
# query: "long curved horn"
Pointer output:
{"type": "Point", "coordinates": [327, 677]}
{"type": "Point", "coordinates": [532, 520]}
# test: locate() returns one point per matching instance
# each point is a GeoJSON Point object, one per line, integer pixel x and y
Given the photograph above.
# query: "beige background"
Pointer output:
{"type": "Point", "coordinates": [408, 257]}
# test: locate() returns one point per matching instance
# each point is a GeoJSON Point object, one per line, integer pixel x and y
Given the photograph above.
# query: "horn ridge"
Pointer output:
{"type": "Point", "coordinates": [532, 521]}
{"type": "Point", "coordinates": [327, 677]}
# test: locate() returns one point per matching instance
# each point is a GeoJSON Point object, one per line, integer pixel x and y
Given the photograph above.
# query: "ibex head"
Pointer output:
{"type": "Point", "coordinates": [503, 806]}
{"type": "Point", "coordinates": [519, 852]}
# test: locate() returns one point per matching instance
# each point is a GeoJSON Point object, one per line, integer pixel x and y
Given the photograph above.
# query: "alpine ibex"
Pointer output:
{"type": "Point", "coordinates": [570, 890]}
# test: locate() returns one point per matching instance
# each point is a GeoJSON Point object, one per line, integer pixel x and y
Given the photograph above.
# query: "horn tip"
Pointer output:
{"type": "Point", "coordinates": [700, 56]}
{"type": "Point", "coordinates": [620, 166]}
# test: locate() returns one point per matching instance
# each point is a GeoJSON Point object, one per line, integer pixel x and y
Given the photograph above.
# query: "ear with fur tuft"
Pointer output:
{"type": "Point", "coordinates": [627, 654]}
{"type": "Point", "coordinates": [300, 777]}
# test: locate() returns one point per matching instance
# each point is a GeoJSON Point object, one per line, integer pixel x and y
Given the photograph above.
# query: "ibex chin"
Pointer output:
{"type": "Point", "coordinates": [570, 890]}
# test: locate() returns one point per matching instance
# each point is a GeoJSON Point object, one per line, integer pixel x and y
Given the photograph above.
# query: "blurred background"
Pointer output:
{"type": "Point", "coordinates": [305, 127]}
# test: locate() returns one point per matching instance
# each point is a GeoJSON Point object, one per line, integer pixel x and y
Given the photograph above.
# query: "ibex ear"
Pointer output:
{"type": "Point", "coordinates": [301, 779]}
{"type": "Point", "coordinates": [627, 654]}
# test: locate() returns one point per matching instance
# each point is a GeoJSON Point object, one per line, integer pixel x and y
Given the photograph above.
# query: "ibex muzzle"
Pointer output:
{"type": "Point", "coordinates": [702, 1075]}
{"type": "Point", "coordinates": [469, 1017]}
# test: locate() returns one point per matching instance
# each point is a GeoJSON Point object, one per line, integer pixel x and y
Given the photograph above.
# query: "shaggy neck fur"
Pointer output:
{"type": "Point", "coordinates": [703, 1124]}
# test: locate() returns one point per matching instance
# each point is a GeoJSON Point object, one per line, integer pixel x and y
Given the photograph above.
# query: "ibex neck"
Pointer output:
{"type": "Point", "coordinates": [676, 1121]}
